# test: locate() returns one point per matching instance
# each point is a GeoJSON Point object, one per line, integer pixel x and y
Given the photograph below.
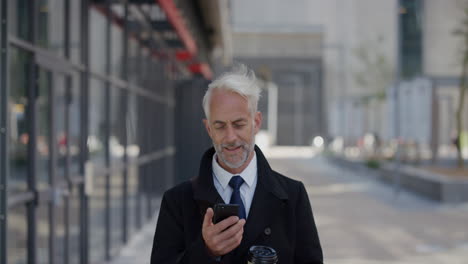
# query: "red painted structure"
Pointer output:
{"type": "Point", "coordinates": [174, 17]}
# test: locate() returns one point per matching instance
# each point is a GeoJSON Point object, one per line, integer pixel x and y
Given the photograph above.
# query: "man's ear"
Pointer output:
{"type": "Point", "coordinates": [207, 126]}
{"type": "Point", "coordinates": [258, 121]}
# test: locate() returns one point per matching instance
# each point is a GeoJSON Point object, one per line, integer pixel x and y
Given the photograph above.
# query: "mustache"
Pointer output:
{"type": "Point", "coordinates": [234, 145]}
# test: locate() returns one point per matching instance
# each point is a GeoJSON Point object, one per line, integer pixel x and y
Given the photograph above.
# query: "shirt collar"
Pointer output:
{"type": "Point", "coordinates": [223, 176]}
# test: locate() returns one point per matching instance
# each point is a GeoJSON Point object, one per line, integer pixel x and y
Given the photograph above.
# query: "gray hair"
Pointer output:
{"type": "Point", "coordinates": [240, 80]}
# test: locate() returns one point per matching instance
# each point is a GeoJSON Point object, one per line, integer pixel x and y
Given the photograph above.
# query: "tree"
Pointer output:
{"type": "Point", "coordinates": [377, 73]}
{"type": "Point", "coordinates": [462, 32]}
{"type": "Point", "coordinates": [373, 76]}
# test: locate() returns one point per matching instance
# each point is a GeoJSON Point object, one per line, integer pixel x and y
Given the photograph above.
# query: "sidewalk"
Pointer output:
{"type": "Point", "coordinates": [362, 221]}
{"type": "Point", "coordinates": [138, 250]}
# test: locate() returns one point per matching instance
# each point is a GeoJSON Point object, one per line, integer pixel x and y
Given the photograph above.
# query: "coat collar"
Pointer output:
{"type": "Point", "coordinates": [205, 192]}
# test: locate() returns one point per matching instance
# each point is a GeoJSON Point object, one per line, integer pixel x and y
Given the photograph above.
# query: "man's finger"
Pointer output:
{"type": "Point", "coordinates": [207, 221]}
{"type": "Point", "coordinates": [231, 242]}
{"type": "Point", "coordinates": [221, 226]}
{"type": "Point", "coordinates": [232, 230]}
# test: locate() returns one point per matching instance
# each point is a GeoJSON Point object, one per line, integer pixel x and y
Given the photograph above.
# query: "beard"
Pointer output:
{"type": "Point", "coordinates": [236, 160]}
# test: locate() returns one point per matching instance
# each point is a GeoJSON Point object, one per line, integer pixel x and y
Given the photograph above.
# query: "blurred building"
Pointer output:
{"type": "Point", "coordinates": [336, 65]}
{"type": "Point", "coordinates": [278, 41]}
{"type": "Point", "coordinates": [100, 105]}
{"type": "Point", "coordinates": [400, 65]}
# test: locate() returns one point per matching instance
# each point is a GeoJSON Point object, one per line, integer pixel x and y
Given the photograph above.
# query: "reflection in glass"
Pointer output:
{"type": "Point", "coordinates": [97, 54]}
{"type": "Point", "coordinates": [60, 145]}
{"type": "Point", "coordinates": [74, 133]}
{"type": "Point", "coordinates": [117, 126]}
{"type": "Point", "coordinates": [74, 229]}
{"type": "Point", "coordinates": [96, 145]}
{"type": "Point", "coordinates": [19, 17]}
{"type": "Point", "coordinates": [18, 132]}
{"type": "Point", "coordinates": [133, 151]}
{"type": "Point", "coordinates": [132, 196]}
{"type": "Point", "coordinates": [97, 220]}
{"type": "Point", "coordinates": [61, 136]}
{"type": "Point", "coordinates": [43, 128]}
{"type": "Point", "coordinates": [43, 234]}
{"type": "Point", "coordinates": [116, 209]}
{"type": "Point", "coordinates": [51, 25]}
{"type": "Point", "coordinates": [134, 69]}
{"type": "Point", "coordinates": [117, 50]}
{"type": "Point", "coordinates": [17, 235]}
{"type": "Point", "coordinates": [97, 122]}
{"type": "Point", "coordinates": [75, 39]}
{"type": "Point", "coordinates": [59, 253]}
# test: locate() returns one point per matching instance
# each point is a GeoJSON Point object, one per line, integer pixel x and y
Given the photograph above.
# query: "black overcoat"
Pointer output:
{"type": "Point", "coordinates": [280, 217]}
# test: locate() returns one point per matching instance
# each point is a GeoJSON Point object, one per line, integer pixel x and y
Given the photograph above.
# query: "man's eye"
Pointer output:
{"type": "Point", "coordinates": [239, 125]}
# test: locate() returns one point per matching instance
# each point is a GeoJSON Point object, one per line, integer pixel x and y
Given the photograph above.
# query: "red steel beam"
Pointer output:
{"type": "Point", "coordinates": [175, 18]}
{"type": "Point", "coordinates": [203, 69]}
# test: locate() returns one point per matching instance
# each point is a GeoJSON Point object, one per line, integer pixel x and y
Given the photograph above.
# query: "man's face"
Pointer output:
{"type": "Point", "coordinates": [232, 129]}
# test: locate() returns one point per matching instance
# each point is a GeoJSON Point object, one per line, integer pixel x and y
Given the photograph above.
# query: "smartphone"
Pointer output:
{"type": "Point", "coordinates": [223, 211]}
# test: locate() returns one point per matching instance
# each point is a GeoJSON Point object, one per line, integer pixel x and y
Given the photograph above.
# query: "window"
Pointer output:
{"type": "Point", "coordinates": [410, 38]}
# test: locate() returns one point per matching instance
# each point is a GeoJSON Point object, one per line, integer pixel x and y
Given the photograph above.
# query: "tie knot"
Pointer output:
{"type": "Point", "coordinates": [236, 182]}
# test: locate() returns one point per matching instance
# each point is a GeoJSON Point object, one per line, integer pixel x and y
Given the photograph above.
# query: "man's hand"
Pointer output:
{"type": "Point", "coordinates": [223, 237]}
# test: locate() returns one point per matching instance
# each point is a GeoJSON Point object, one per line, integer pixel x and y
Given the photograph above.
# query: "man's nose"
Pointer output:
{"type": "Point", "coordinates": [230, 135]}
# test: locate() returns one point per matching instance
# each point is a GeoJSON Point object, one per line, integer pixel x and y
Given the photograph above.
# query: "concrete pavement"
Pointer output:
{"type": "Point", "coordinates": [360, 221]}
{"type": "Point", "coordinates": [138, 250]}
{"type": "Point", "coordinates": [363, 221]}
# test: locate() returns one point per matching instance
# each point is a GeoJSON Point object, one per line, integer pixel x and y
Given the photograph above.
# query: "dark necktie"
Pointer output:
{"type": "Point", "coordinates": [235, 183]}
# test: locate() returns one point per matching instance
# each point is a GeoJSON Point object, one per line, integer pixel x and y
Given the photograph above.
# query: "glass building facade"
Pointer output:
{"type": "Point", "coordinates": [411, 32]}
{"type": "Point", "coordinates": [87, 132]}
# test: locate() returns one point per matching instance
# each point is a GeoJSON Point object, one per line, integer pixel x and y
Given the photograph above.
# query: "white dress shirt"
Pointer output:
{"type": "Point", "coordinates": [221, 179]}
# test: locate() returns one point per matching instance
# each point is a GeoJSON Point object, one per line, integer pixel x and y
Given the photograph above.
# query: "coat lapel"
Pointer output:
{"type": "Point", "coordinates": [269, 199]}
{"type": "Point", "coordinates": [204, 192]}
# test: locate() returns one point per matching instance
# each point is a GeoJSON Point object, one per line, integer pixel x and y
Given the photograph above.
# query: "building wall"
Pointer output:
{"type": "Point", "coordinates": [287, 42]}
{"type": "Point", "coordinates": [372, 24]}
{"type": "Point", "coordinates": [442, 50]}
{"type": "Point", "coordinates": [335, 30]}
{"type": "Point", "coordinates": [368, 27]}
{"type": "Point", "coordinates": [286, 45]}
{"type": "Point", "coordinates": [300, 99]}
{"type": "Point", "coordinates": [359, 54]}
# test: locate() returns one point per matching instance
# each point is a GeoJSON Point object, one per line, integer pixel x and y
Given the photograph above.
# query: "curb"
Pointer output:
{"type": "Point", "coordinates": [427, 184]}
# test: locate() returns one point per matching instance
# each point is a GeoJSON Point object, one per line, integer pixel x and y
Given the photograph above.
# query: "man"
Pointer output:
{"type": "Point", "coordinates": [274, 210]}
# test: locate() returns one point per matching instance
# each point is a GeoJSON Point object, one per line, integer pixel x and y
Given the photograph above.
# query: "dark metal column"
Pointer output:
{"type": "Point", "coordinates": [68, 98]}
{"type": "Point", "coordinates": [107, 218]}
{"type": "Point", "coordinates": [141, 64]}
{"type": "Point", "coordinates": [52, 167]}
{"type": "Point", "coordinates": [169, 131]}
{"type": "Point", "coordinates": [31, 128]}
{"type": "Point", "coordinates": [3, 129]}
{"type": "Point", "coordinates": [124, 130]}
{"type": "Point", "coordinates": [84, 206]}
{"type": "Point", "coordinates": [189, 148]}
{"type": "Point", "coordinates": [149, 140]}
